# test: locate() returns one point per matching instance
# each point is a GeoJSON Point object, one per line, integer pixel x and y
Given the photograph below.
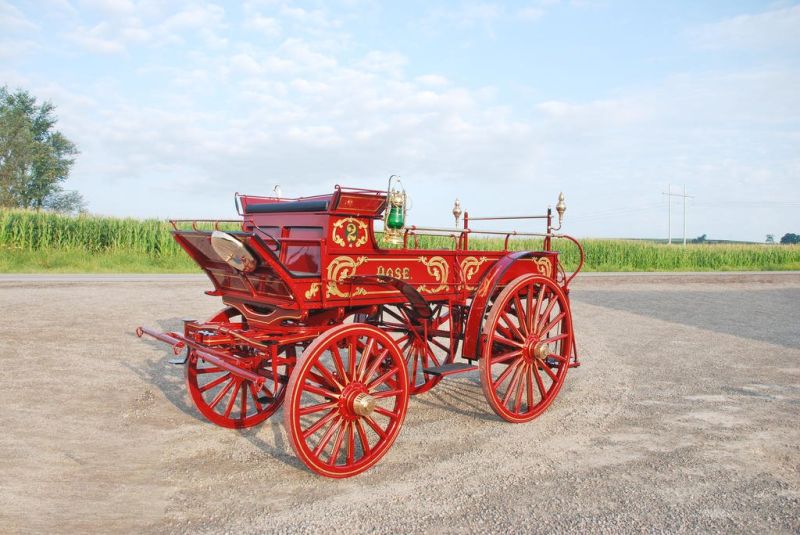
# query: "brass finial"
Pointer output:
{"type": "Point", "coordinates": [457, 211]}
{"type": "Point", "coordinates": [561, 207]}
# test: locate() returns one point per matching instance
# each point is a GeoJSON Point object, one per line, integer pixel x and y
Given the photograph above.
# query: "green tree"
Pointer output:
{"type": "Point", "coordinates": [790, 239]}
{"type": "Point", "coordinates": [34, 157]}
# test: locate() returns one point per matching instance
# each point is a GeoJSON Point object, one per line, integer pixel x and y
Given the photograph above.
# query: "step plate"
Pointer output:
{"type": "Point", "coordinates": [450, 369]}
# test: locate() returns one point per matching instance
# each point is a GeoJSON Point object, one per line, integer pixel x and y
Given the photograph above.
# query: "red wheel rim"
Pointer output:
{"type": "Point", "coordinates": [423, 343]}
{"type": "Point", "coordinates": [230, 401]}
{"type": "Point", "coordinates": [347, 399]}
{"type": "Point", "coordinates": [526, 354]}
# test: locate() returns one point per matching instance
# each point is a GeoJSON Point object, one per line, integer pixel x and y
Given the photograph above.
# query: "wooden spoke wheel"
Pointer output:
{"type": "Point", "coordinates": [347, 399]}
{"type": "Point", "coordinates": [230, 401]}
{"type": "Point", "coordinates": [526, 354]}
{"type": "Point", "coordinates": [424, 343]}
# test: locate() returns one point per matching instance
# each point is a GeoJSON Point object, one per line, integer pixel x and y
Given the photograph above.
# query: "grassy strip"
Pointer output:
{"type": "Point", "coordinates": [46, 242]}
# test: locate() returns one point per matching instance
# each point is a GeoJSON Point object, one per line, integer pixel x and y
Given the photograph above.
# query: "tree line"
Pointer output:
{"type": "Point", "coordinates": [35, 158]}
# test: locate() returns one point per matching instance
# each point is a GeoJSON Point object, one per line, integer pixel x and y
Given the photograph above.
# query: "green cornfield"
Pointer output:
{"type": "Point", "coordinates": [45, 241]}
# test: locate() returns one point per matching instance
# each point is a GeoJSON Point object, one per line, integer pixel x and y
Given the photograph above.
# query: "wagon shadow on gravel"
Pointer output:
{"type": "Point", "coordinates": [461, 396]}
{"type": "Point", "coordinates": [170, 380]}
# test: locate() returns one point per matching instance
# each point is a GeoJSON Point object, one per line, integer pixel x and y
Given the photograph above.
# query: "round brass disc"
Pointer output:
{"type": "Point", "coordinates": [364, 404]}
{"type": "Point", "coordinates": [232, 251]}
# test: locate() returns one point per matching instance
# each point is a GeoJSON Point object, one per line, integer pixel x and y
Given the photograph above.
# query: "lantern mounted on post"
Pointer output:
{"type": "Point", "coordinates": [394, 219]}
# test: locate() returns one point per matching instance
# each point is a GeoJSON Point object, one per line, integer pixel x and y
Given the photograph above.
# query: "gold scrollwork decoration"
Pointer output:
{"type": "Point", "coordinates": [438, 268]}
{"type": "Point", "coordinates": [470, 265]}
{"type": "Point", "coordinates": [543, 266]}
{"type": "Point", "coordinates": [339, 269]}
{"type": "Point", "coordinates": [349, 232]}
{"type": "Point", "coordinates": [313, 290]}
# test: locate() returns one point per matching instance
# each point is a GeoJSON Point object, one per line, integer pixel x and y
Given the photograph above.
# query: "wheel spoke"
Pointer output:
{"type": "Point", "coordinates": [362, 437]}
{"type": "Point", "coordinates": [389, 414]}
{"type": "Point", "coordinates": [415, 359]}
{"type": "Point", "coordinates": [514, 329]}
{"type": "Point", "coordinates": [320, 423]}
{"type": "Point", "coordinates": [320, 391]}
{"type": "Point", "coordinates": [221, 393]}
{"type": "Point", "coordinates": [254, 394]}
{"type": "Point", "coordinates": [431, 354]}
{"type": "Point", "coordinates": [547, 370]}
{"type": "Point", "coordinates": [337, 362]}
{"type": "Point", "coordinates": [374, 366]}
{"type": "Point", "coordinates": [503, 376]}
{"type": "Point", "coordinates": [375, 427]}
{"type": "Point", "coordinates": [337, 444]}
{"type": "Point", "coordinates": [529, 386]}
{"type": "Point", "coordinates": [326, 438]}
{"type": "Point", "coordinates": [506, 356]}
{"type": "Point", "coordinates": [382, 378]}
{"type": "Point", "coordinates": [539, 383]}
{"type": "Point", "coordinates": [513, 385]}
{"type": "Point", "coordinates": [520, 387]}
{"type": "Point", "coordinates": [330, 379]}
{"type": "Point", "coordinates": [215, 382]}
{"type": "Point", "coordinates": [440, 345]}
{"type": "Point", "coordinates": [523, 320]}
{"type": "Point", "coordinates": [506, 341]}
{"type": "Point", "coordinates": [387, 393]}
{"type": "Point", "coordinates": [243, 408]}
{"type": "Point", "coordinates": [544, 317]}
{"type": "Point", "coordinates": [552, 324]}
{"type": "Point", "coordinates": [351, 443]}
{"type": "Point", "coordinates": [311, 409]}
{"type": "Point", "coordinates": [365, 357]}
{"type": "Point", "coordinates": [535, 315]}
{"type": "Point", "coordinates": [554, 338]}
{"type": "Point", "coordinates": [351, 364]}
{"type": "Point", "coordinates": [232, 401]}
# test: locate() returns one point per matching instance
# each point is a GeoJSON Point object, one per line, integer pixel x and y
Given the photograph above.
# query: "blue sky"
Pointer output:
{"type": "Point", "coordinates": [176, 105]}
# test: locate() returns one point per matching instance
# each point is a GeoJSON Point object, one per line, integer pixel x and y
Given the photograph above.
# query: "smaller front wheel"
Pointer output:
{"type": "Point", "coordinates": [525, 357]}
{"type": "Point", "coordinates": [346, 400]}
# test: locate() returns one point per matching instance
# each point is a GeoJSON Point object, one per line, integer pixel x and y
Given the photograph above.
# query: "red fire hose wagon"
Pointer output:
{"type": "Point", "coordinates": [318, 315]}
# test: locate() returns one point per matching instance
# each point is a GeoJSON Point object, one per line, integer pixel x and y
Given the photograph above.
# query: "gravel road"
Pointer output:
{"type": "Point", "coordinates": [684, 417]}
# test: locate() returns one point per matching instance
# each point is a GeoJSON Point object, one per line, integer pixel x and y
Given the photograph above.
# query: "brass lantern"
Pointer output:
{"type": "Point", "coordinates": [394, 219]}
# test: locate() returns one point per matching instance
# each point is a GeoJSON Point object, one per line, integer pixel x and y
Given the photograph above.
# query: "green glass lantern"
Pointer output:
{"type": "Point", "coordinates": [395, 216]}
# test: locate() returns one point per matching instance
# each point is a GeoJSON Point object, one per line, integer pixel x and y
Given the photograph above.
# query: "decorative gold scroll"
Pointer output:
{"type": "Point", "coordinates": [469, 267]}
{"type": "Point", "coordinates": [438, 268]}
{"type": "Point", "coordinates": [349, 232]}
{"type": "Point", "coordinates": [313, 290]}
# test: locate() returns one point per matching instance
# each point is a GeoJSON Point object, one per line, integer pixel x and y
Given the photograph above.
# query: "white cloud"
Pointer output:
{"type": "Point", "coordinates": [435, 80]}
{"type": "Point", "coordinates": [774, 29]}
{"type": "Point", "coordinates": [12, 20]}
{"type": "Point", "coordinates": [266, 25]}
{"type": "Point", "coordinates": [531, 13]}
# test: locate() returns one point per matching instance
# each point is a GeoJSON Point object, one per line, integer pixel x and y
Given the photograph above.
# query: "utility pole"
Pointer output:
{"type": "Point", "coordinates": [669, 195]}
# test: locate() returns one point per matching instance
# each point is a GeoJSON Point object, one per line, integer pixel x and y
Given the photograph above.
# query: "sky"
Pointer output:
{"type": "Point", "coordinates": [177, 105]}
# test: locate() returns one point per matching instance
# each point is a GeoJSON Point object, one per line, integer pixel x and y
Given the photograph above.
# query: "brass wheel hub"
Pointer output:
{"type": "Point", "coordinates": [534, 349]}
{"type": "Point", "coordinates": [364, 404]}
